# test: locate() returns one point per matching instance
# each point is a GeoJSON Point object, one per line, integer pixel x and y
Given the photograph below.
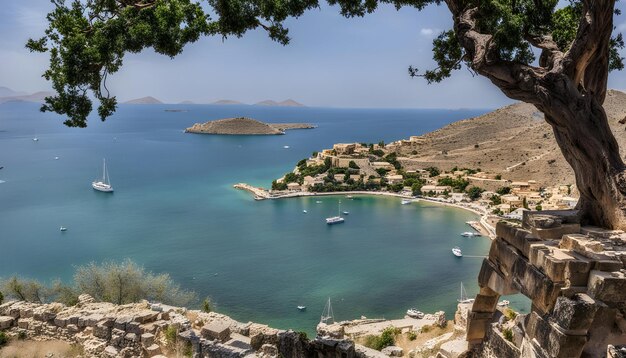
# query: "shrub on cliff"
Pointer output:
{"type": "Point", "coordinates": [1, 298]}
{"type": "Point", "coordinates": [3, 339]}
{"type": "Point", "coordinates": [386, 339]}
{"type": "Point", "coordinates": [127, 282]}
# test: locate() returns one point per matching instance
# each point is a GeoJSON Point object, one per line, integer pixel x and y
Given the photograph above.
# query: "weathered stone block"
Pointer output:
{"type": "Point", "coordinates": [577, 270]}
{"type": "Point", "coordinates": [131, 337]}
{"type": "Point", "coordinates": [608, 265]}
{"type": "Point", "coordinates": [574, 316]}
{"type": "Point", "coordinates": [536, 285]}
{"type": "Point", "coordinates": [598, 232]}
{"type": "Point", "coordinates": [153, 350]}
{"type": "Point", "coordinates": [519, 238]}
{"type": "Point", "coordinates": [555, 342]}
{"type": "Point", "coordinates": [111, 351]}
{"type": "Point", "coordinates": [607, 286]}
{"type": "Point", "coordinates": [6, 322]}
{"type": "Point", "coordinates": [216, 331]}
{"type": "Point", "coordinates": [532, 219]}
{"type": "Point", "coordinates": [477, 325]}
{"type": "Point", "coordinates": [484, 303]}
{"type": "Point", "coordinates": [102, 331]}
{"type": "Point", "coordinates": [534, 250]}
{"type": "Point", "coordinates": [147, 339]}
{"type": "Point", "coordinates": [491, 277]}
{"type": "Point", "coordinates": [120, 322]}
{"type": "Point", "coordinates": [556, 233]}
{"type": "Point", "coordinates": [554, 265]}
{"type": "Point", "coordinates": [504, 255]}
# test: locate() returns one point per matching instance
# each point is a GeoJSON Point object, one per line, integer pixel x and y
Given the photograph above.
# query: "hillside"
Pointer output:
{"type": "Point", "coordinates": [514, 141]}
{"type": "Point", "coordinates": [285, 103]}
{"type": "Point", "coordinates": [37, 97]}
{"type": "Point", "coordinates": [226, 102]}
{"type": "Point", "coordinates": [144, 100]}
{"type": "Point", "coordinates": [244, 126]}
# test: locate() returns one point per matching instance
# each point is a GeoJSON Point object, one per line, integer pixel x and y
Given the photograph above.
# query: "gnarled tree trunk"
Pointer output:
{"type": "Point", "coordinates": [569, 88]}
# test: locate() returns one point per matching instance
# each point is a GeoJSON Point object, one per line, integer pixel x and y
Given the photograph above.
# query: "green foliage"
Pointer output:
{"type": "Point", "coordinates": [433, 171]}
{"type": "Point", "coordinates": [426, 329]}
{"type": "Point", "coordinates": [171, 335]}
{"type": "Point", "coordinates": [126, 282]}
{"type": "Point", "coordinates": [474, 192]}
{"type": "Point", "coordinates": [291, 178]}
{"type": "Point", "coordinates": [303, 336]}
{"type": "Point", "coordinates": [314, 154]}
{"type": "Point", "coordinates": [207, 305]}
{"type": "Point", "coordinates": [508, 334]}
{"type": "Point", "coordinates": [495, 200]}
{"type": "Point", "coordinates": [498, 177]}
{"type": "Point", "coordinates": [353, 165]}
{"type": "Point", "coordinates": [4, 339]}
{"type": "Point", "coordinates": [510, 314]}
{"type": "Point", "coordinates": [1, 298]}
{"type": "Point", "coordinates": [524, 203]}
{"type": "Point", "coordinates": [396, 187]}
{"type": "Point", "coordinates": [21, 335]}
{"type": "Point", "coordinates": [457, 183]}
{"type": "Point", "coordinates": [538, 208]}
{"type": "Point", "coordinates": [386, 339]}
{"type": "Point", "coordinates": [504, 190]}
{"type": "Point", "coordinates": [382, 171]}
{"type": "Point", "coordinates": [377, 152]}
{"type": "Point", "coordinates": [279, 186]}
{"type": "Point", "coordinates": [416, 188]}
{"type": "Point", "coordinates": [411, 335]}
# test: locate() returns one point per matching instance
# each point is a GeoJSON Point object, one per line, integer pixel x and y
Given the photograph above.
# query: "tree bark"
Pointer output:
{"type": "Point", "coordinates": [582, 131]}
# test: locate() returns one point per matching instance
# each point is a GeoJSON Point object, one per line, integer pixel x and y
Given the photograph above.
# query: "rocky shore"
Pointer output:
{"type": "Point", "coordinates": [244, 126]}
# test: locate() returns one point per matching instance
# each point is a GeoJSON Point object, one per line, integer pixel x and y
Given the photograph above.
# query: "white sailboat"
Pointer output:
{"type": "Point", "coordinates": [336, 219]}
{"type": "Point", "coordinates": [463, 298]}
{"type": "Point", "coordinates": [457, 251]}
{"type": "Point", "coordinates": [327, 314]}
{"type": "Point", "coordinates": [104, 184]}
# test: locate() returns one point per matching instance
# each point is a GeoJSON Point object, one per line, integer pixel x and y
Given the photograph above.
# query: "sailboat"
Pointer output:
{"type": "Point", "coordinates": [104, 184]}
{"type": "Point", "coordinates": [463, 298]}
{"type": "Point", "coordinates": [336, 219]}
{"type": "Point", "coordinates": [327, 314]}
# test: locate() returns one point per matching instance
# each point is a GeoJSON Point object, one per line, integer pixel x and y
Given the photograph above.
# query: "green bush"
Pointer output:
{"type": "Point", "coordinates": [474, 192]}
{"type": "Point", "coordinates": [171, 335]}
{"type": "Point", "coordinates": [353, 165]}
{"type": "Point", "coordinates": [412, 335]}
{"type": "Point", "coordinates": [386, 339]}
{"type": "Point", "coordinates": [508, 334]}
{"type": "Point", "coordinates": [21, 335]}
{"type": "Point", "coordinates": [510, 314]}
{"type": "Point", "coordinates": [1, 298]}
{"type": "Point", "coordinates": [207, 306]}
{"type": "Point", "coordinates": [303, 336]}
{"type": "Point", "coordinates": [4, 339]}
{"type": "Point", "coordinates": [433, 171]}
{"type": "Point", "coordinates": [504, 190]}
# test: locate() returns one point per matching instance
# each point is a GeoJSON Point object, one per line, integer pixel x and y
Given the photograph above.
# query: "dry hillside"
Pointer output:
{"type": "Point", "coordinates": [514, 141]}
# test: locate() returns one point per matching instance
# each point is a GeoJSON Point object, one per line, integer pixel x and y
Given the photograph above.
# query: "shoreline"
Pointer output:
{"type": "Point", "coordinates": [263, 194]}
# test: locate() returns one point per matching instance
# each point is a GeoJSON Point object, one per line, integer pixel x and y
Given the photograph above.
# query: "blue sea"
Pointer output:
{"type": "Point", "coordinates": [174, 210]}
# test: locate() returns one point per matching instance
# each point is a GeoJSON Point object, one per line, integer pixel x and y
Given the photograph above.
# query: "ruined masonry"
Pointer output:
{"type": "Point", "coordinates": [576, 279]}
{"type": "Point", "coordinates": [138, 330]}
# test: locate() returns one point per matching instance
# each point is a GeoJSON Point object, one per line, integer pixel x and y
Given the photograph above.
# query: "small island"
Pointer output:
{"type": "Point", "coordinates": [244, 126]}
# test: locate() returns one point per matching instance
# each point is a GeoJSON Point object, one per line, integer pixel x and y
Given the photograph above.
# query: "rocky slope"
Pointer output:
{"type": "Point", "coordinates": [244, 126]}
{"type": "Point", "coordinates": [144, 100]}
{"type": "Point", "coordinates": [156, 330]}
{"type": "Point", "coordinates": [514, 141]}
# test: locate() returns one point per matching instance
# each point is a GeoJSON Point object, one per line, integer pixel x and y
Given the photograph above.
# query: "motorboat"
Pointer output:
{"type": "Point", "coordinates": [346, 213]}
{"type": "Point", "coordinates": [301, 308]}
{"type": "Point", "coordinates": [414, 313]}
{"type": "Point", "coordinates": [406, 201]}
{"type": "Point", "coordinates": [62, 228]}
{"type": "Point", "coordinates": [304, 211]}
{"type": "Point", "coordinates": [503, 303]}
{"type": "Point", "coordinates": [467, 234]}
{"type": "Point", "coordinates": [457, 251]}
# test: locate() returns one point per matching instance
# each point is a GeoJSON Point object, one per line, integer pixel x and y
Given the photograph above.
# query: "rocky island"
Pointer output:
{"type": "Point", "coordinates": [244, 126]}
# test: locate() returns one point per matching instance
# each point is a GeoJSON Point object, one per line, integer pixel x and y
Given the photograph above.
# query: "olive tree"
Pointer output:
{"type": "Point", "coordinates": [88, 39]}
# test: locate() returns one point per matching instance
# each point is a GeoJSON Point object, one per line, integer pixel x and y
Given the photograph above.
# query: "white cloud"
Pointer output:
{"type": "Point", "coordinates": [429, 32]}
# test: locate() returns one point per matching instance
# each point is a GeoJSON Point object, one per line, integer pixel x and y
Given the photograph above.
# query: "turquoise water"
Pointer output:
{"type": "Point", "coordinates": [174, 210]}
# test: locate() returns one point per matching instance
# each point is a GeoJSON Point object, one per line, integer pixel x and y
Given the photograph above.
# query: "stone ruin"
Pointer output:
{"type": "Point", "coordinates": [576, 279]}
{"type": "Point", "coordinates": [139, 330]}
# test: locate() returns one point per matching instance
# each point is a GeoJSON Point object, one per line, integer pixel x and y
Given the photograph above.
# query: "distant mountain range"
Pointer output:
{"type": "Point", "coordinates": [9, 95]}
{"type": "Point", "coordinates": [286, 103]}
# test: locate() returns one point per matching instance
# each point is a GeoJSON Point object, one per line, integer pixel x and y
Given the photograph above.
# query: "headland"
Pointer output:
{"type": "Point", "coordinates": [244, 126]}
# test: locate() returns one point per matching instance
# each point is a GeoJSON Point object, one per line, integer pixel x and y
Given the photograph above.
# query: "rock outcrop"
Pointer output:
{"type": "Point", "coordinates": [153, 330]}
{"type": "Point", "coordinates": [575, 277]}
{"type": "Point", "coordinates": [244, 126]}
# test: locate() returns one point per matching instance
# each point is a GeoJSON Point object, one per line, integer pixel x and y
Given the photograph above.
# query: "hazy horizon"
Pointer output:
{"type": "Point", "coordinates": [331, 62]}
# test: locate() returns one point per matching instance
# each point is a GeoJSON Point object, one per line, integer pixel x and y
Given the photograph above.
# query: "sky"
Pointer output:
{"type": "Point", "coordinates": [331, 62]}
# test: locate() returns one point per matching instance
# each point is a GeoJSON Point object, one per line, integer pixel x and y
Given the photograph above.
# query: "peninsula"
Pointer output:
{"type": "Point", "coordinates": [244, 126]}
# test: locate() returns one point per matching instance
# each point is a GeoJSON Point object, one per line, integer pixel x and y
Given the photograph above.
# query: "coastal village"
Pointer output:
{"type": "Point", "coordinates": [392, 169]}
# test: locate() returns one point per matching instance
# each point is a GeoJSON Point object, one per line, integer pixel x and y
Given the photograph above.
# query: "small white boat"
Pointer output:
{"type": "Point", "coordinates": [349, 196]}
{"type": "Point", "coordinates": [301, 308]}
{"type": "Point", "coordinates": [467, 234]}
{"type": "Point", "coordinates": [503, 303]}
{"type": "Point", "coordinates": [304, 211]}
{"type": "Point", "coordinates": [318, 201]}
{"type": "Point", "coordinates": [56, 158]}
{"type": "Point", "coordinates": [412, 312]}
{"type": "Point", "coordinates": [457, 251]}
{"type": "Point", "coordinates": [35, 139]}
{"type": "Point", "coordinates": [346, 213]}
{"type": "Point", "coordinates": [406, 201]}
{"type": "Point", "coordinates": [62, 228]}
{"type": "Point", "coordinates": [286, 146]}
{"type": "Point", "coordinates": [104, 184]}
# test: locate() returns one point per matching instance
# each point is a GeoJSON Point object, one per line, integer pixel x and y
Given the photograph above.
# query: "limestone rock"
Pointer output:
{"type": "Point", "coordinates": [392, 351]}
{"type": "Point", "coordinates": [6, 322]}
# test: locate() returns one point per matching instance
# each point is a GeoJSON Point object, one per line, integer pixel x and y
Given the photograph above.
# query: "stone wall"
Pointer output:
{"type": "Point", "coordinates": [139, 330]}
{"type": "Point", "coordinates": [575, 277]}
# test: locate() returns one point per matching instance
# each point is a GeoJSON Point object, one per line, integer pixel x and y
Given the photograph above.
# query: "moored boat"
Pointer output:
{"type": "Point", "coordinates": [103, 185]}
{"type": "Point", "coordinates": [406, 201]}
{"type": "Point", "coordinates": [414, 313]}
{"type": "Point", "coordinates": [301, 308]}
{"type": "Point", "coordinates": [457, 251]}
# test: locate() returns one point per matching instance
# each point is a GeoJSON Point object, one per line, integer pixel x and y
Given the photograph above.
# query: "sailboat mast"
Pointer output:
{"type": "Point", "coordinates": [104, 170]}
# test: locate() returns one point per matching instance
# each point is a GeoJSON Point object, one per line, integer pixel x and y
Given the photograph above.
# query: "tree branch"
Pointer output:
{"type": "Point", "coordinates": [586, 62]}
